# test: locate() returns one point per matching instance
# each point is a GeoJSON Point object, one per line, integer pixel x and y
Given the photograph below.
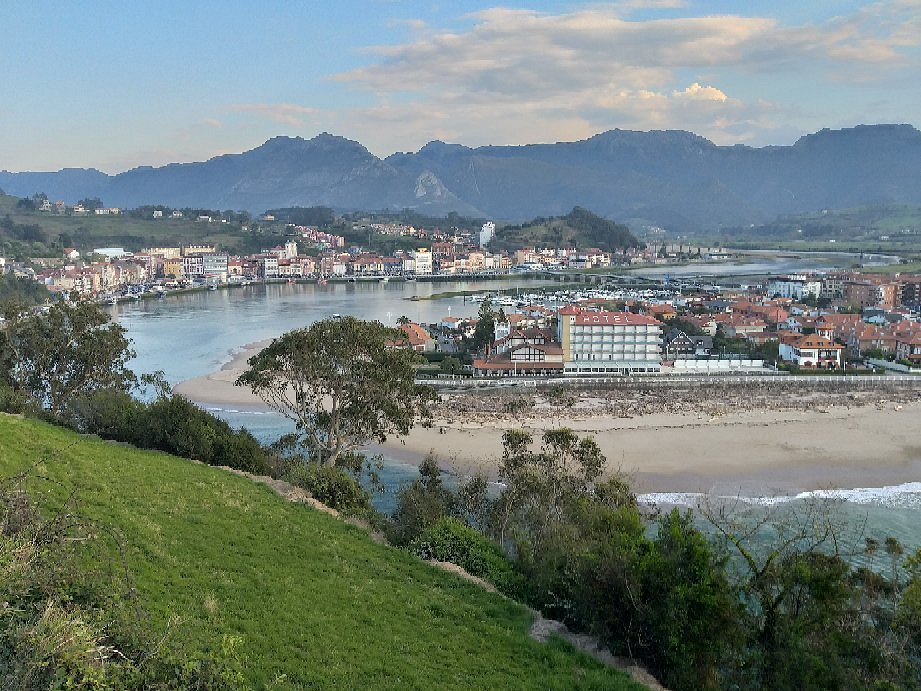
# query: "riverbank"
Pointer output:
{"type": "Point", "coordinates": [759, 440]}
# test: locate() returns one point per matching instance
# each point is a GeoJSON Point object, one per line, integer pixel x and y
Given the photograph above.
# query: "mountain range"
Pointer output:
{"type": "Point", "coordinates": [674, 179]}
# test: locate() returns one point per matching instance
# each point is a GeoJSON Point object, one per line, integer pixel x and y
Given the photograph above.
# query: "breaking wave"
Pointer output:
{"type": "Point", "coordinates": [904, 496]}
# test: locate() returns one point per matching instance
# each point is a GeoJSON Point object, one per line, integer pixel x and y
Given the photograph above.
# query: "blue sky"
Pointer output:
{"type": "Point", "coordinates": [113, 85]}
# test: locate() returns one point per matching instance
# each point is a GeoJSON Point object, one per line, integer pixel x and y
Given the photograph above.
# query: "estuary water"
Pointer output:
{"type": "Point", "coordinates": [193, 334]}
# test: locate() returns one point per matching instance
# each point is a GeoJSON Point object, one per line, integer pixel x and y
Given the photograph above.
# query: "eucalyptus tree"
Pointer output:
{"type": "Point", "coordinates": [70, 349]}
{"type": "Point", "coordinates": [344, 382]}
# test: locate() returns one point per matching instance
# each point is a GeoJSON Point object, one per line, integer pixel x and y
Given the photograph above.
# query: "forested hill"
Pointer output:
{"type": "Point", "coordinates": [579, 228]}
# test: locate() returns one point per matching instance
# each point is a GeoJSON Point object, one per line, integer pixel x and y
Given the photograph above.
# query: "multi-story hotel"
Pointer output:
{"type": "Point", "coordinates": [609, 342]}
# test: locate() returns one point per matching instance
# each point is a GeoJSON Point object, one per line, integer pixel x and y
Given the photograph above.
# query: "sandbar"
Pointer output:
{"type": "Point", "coordinates": [711, 439]}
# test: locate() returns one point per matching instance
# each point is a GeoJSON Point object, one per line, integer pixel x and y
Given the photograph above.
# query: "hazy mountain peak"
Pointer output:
{"type": "Point", "coordinates": [440, 148]}
{"type": "Point", "coordinates": [675, 179]}
{"type": "Point", "coordinates": [886, 132]}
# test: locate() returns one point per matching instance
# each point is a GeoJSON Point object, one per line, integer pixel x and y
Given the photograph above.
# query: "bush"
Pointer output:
{"type": "Point", "coordinates": [453, 541]}
{"type": "Point", "coordinates": [420, 505]}
{"type": "Point", "coordinates": [172, 424]}
{"type": "Point", "coordinates": [334, 487]}
{"type": "Point", "coordinates": [12, 401]}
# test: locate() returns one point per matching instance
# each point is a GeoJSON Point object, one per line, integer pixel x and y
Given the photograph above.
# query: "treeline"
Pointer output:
{"type": "Point", "coordinates": [24, 232]}
{"type": "Point", "coordinates": [773, 602]}
{"type": "Point", "coordinates": [600, 232]}
{"type": "Point", "coordinates": [69, 365]}
{"type": "Point", "coordinates": [320, 216]}
{"type": "Point", "coordinates": [21, 291]}
{"type": "Point", "coordinates": [411, 217]}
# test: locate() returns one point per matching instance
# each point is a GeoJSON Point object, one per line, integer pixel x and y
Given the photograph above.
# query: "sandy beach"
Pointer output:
{"type": "Point", "coordinates": [703, 439]}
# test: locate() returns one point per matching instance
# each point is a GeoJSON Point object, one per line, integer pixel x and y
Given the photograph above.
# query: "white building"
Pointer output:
{"type": "Point", "coordinates": [486, 233]}
{"type": "Point", "coordinates": [794, 288]}
{"type": "Point", "coordinates": [269, 266]}
{"type": "Point", "coordinates": [112, 252]}
{"type": "Point", "coordinates": [810, 351]}
{"type": "Point", "coordinates": [422, 261]}
{"type": "Point", "coordinates": [609, 342]}
{"type": "Point", "coordinates": [215, 265]}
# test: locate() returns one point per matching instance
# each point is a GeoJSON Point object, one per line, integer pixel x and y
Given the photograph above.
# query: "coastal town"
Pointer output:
{"type": "Point", "coordinates": [833, 321]}
{"type": "Point", "coordinates": [821, 320]}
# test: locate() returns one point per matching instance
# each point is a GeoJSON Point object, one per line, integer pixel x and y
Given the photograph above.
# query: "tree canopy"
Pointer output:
{"type": "Point", "coordinates": [344, 382]}
{"type": "Point", "coordinates": [72, 348]}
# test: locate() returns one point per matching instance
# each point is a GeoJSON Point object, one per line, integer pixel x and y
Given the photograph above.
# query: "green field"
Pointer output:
{"type": "Point", "coordinates": [894, 229]}
{"type": "Point", "coordinates": [90, 231]}
{"type": "Point", "coordinates": [317, 603]}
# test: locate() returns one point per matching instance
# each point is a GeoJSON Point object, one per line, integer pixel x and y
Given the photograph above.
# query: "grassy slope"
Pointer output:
{"type": "Point", "coordinates": [314, 599]}
{"type": "Point", "coordinates": [858, 228]}
{"type": "Point", "coordinates": [95, 231]}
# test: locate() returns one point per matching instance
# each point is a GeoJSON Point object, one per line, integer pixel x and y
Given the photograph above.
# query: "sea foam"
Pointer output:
{"type": "Point", "coordinates": [906, 495]}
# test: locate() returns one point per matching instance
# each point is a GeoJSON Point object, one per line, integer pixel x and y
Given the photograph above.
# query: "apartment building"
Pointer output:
{"type": "Point", "coordinates": [600, 342]}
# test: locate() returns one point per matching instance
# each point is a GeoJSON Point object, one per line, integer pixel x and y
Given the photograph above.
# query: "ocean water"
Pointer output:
{"type": "Point", "coordinates": [864, 512]}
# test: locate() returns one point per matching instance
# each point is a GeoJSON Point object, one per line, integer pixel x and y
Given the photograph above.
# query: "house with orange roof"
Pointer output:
{"type": "Point", "coordinates": [908, 347]}
{"type": "Point", "coordinates": [770, 313]}
{"type": "Point", "coordinates": [836, 326]}
{"type": "Point", "coordinates": [662, 312]}
{"type": "Point", "coordinates": [811, 350]}
{"type": "Point", "coordinates": [527, 359]}
{"type": "Point", "coordinates": [864, 337]}
{"type": "Point", "coordinates": [739, 325]}
{"type": "Point", "coordinates": [420, 340]}
{"type": "Point", "coordinates": [705, 323]}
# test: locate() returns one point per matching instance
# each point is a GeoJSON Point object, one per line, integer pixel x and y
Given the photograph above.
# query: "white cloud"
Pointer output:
{"type": "Point", "coordinates": [650, 4]}
{"type": "Point", "coordinates": [518, 75]}
{"type": "Point", "coordinates": [697, 92]}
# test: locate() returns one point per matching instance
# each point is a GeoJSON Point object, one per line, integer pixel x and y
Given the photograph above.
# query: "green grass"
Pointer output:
{"type": "Point", "coordinates": [316, 601]}
{"type": "Point", "coordinates": [89, 231]}
{"type": "Point", "coordinates": [907, 268]}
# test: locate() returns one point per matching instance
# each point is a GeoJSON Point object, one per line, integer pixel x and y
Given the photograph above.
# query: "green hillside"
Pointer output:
{"type": "Point", "coordinates": [580, 228]}
{"type": "Point", "coordinates": [33, 232]}
{"type": "Point", "coordinates": [317, 603]}
{"type": "Point", "coordinates": [885, 228]}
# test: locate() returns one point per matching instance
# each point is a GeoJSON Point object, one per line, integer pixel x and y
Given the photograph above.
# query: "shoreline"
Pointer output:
{"type": "Point", "coordinates": [728, 440]}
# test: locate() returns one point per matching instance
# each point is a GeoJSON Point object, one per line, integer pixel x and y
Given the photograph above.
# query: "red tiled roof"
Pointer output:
{"type": "Point", "coordinates": [816, 341]}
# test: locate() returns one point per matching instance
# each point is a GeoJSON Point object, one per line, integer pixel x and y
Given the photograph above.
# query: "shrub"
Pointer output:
{"type": "Point", "coordinates": [420, 505]}
{"type": "Point", "coordinates": [453, 541]}
{"type": "Point", "coordinates": [334, 487]}
{"type": "Point", "coordinates": [172, 424]}
{"type": "Point", "coordinates": [12, 401]}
